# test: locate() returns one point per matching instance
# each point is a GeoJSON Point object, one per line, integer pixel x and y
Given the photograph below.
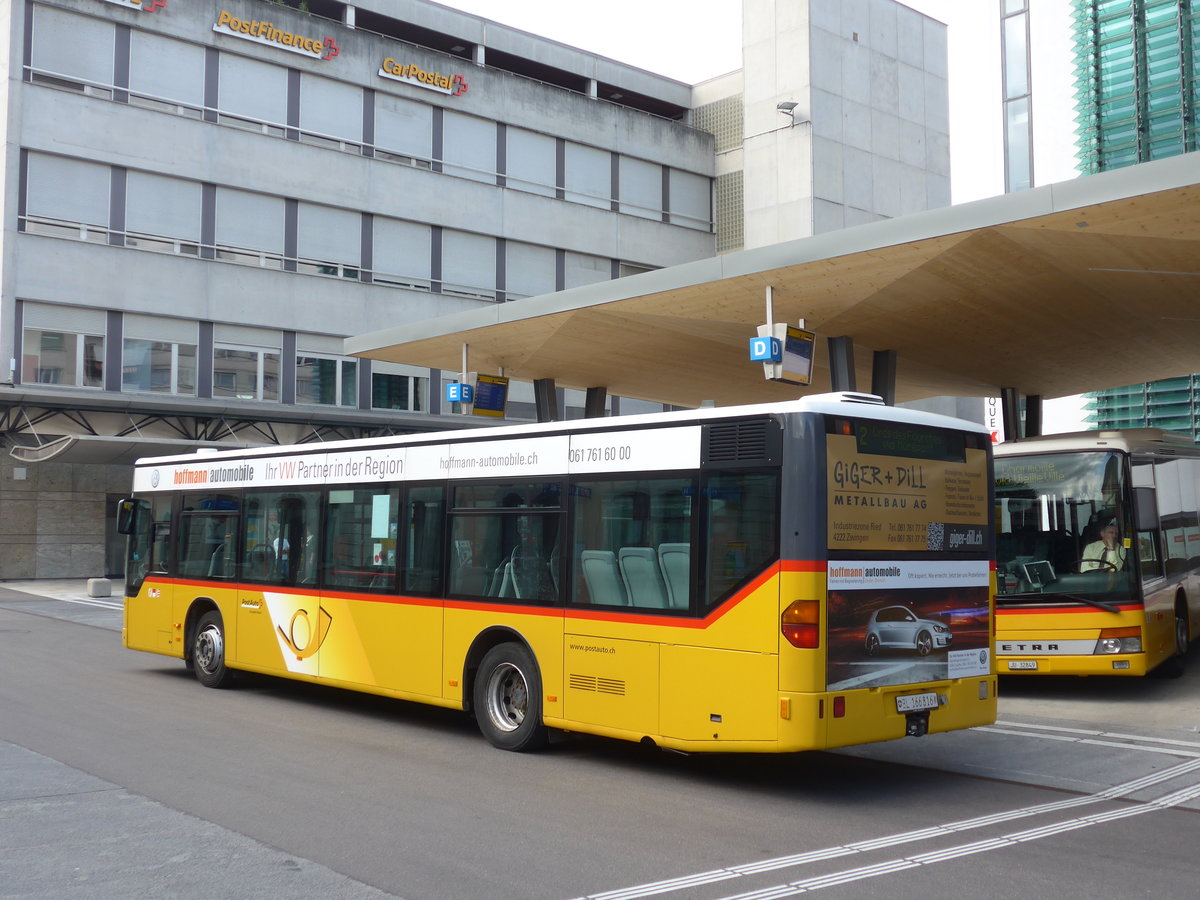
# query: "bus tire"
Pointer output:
{"type": "Point", "coordinates": [208, 652]}
{"type": "Point", "coordinates": [1173, 666]}
{"type": "Point", "coordinates": [508, 699]}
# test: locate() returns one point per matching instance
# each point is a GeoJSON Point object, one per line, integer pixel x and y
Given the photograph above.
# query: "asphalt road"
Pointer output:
{"type": "Point", "coordinates": [120, 776]}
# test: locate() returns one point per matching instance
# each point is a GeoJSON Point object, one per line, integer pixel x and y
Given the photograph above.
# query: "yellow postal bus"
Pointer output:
{"type": "Point", "coordinates": [765, 578]}
{"type": "Point", "coordinates": [1098, 553]}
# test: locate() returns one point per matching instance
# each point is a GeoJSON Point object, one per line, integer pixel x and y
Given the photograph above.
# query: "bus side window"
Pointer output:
{"type": "Point", "coordinates": [742, 528]}
{"type": "Point", "coordinates": [633, 543]}
{"type": "Point", "coordinates": [361, 531]}
{"type": "Point", "coordinates": [161, 538]}
{"type": "Point", "coordinates": [280, 529]}
{"type": "Point", "coordinates": [426, 520]}
{"type": "Point", "coordinates": [207, 542]}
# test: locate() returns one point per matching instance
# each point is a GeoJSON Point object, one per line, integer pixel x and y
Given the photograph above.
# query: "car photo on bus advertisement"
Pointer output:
{"type": "Point", "coordinates": [899, 628]}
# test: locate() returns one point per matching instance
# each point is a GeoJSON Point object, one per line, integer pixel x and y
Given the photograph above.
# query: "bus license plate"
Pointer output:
{"type": "Point", "coordinates": [1022, 663]}
{"type": "Point", "coordinates": [906, 703]}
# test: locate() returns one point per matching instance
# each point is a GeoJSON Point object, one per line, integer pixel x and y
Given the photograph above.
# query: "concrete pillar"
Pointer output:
{"type": "Point", "coordinates": [841, 364]}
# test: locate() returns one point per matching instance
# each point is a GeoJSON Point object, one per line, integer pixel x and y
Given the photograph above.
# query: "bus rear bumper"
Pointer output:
{"type": "Point", "coordinates": [1106, 664]}
{"type": "Point", "coordinates": [876, 714]}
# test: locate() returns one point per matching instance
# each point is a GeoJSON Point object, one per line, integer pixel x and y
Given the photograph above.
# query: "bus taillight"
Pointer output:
{"type": "Point", "coordinates": [800, 624]}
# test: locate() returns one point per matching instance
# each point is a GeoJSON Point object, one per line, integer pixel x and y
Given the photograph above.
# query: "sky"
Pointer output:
{"type": "Point", "coordinates": [705, 41]}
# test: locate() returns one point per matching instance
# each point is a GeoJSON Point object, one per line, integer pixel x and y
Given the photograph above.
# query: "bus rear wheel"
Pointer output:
{"type": "Point", "coordinates": [208, 652]}
{"type": "Point", "coordinates": [508, 699]}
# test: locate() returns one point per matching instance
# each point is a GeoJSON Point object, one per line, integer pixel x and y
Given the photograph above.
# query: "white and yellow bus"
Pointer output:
{"type": "Point", "coordinates": [1098, 553]}
{"type": "Point", "coordinates": [766, 578]}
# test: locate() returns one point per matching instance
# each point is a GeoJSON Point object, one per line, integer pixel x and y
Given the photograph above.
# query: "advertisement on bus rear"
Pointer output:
{"type": "Point", "coordinates": [892, 487]}
{"type": "Point", "coordinates": [907, 621]}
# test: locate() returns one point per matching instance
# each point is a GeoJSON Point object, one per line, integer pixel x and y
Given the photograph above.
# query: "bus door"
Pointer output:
{"type": "Point", "coordinates": [278, 612]}
{"type": "Point", "coordinates": [148, 597]}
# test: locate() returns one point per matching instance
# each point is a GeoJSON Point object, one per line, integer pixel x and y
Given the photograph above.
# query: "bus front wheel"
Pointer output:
{"type": "Point", "coordinates": [1174, 666]}
{"type": "Point", "coordinates": [508, 699]}
{"type": "Point", "coordinates": [208, 652]}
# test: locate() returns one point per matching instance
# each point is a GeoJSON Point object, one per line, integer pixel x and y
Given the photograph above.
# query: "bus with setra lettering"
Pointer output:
{"type": "Point", "coordinates": [1098, 553]}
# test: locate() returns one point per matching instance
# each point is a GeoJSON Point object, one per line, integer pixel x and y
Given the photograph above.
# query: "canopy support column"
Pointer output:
{"type": "Point", "coordinates": [593, 404]}
{"type": "Point", "coordinates": [883, 376]}
{"type": "Point", "coordinates": [841, 364]}
{"type": "Point", "coordinates": [1010, 412]}
{"type": "Point", "coordinates": [1033, 415]}
{"type": "Point", "coordinates": [545, 399]}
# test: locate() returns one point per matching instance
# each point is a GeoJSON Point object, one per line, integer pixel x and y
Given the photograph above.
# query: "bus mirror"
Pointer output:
{"type": "Point", "coordinates": [1145, 509]}
{"type": "Point", "coordinates": [126, 516]}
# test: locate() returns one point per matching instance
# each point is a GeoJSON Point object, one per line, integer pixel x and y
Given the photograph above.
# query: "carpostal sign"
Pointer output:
{"type": "Point", "coordinates": [143, 5]}
{"type": "Point", "coordinates": [409, 73]}
{"type": "Point", "coordinates": [262, 32]}
{"type": "Point", "coordinates": [608, 451]}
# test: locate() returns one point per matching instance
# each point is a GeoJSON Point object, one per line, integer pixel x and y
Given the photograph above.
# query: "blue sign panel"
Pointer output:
{"type": "Point", "coordinates": [457, 392]}
{"type": "Point", "coordinates": [766, 349]}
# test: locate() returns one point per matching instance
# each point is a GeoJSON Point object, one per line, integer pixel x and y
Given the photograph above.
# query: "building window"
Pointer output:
{"type": "Point", "coordinates": [61, 357]}
{"type": "Point", "coordinates": [246, 373]}
{"type": "Point", "coordinates": [326, 380]}
{"type": "Point", "coordinates": [397, 392]}
{"type": "Point", "coordinates": [161, 367]}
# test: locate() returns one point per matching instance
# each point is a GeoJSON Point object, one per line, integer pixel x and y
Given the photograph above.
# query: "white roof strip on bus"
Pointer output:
{"type": "Point", "coordinates": [826, 404]}
{"type": "Point", "coordinates": [643, 450]}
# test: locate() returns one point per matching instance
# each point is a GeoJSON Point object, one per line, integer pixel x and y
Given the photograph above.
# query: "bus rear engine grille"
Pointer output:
{"type": "Point", "coordinates": [738, 442]}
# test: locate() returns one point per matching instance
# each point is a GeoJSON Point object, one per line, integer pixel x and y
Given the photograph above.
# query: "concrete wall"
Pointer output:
{"type": "Point", "coordinates": [53, 518]}
{"type": "Point", "coordinates": [869, 78]}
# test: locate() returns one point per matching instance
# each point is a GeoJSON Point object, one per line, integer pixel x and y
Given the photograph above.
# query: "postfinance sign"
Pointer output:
{"type": "Point", "coordinates": [262, 32]}
{"type": "Point", "coordinates": [409, 73]}
{"type": "Point", "coordinates": [143, 5]}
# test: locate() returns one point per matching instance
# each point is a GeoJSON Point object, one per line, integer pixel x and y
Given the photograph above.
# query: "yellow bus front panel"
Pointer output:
{"type": "Point", "coordinates": [147, 619]}
{"type": "Point", "coordinates": [1045, 642]}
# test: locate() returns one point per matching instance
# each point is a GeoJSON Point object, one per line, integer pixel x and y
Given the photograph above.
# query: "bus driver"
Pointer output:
{"type": "Point", "coordinates": [1106, 553]}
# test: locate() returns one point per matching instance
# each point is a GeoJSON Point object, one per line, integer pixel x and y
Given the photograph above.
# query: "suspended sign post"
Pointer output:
{"type": "Point", "coordinates": [785, 351]}
{"type": "Point", "coordinates": [480, 394]}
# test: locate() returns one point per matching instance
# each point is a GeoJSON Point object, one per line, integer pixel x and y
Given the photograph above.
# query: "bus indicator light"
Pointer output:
{"type": "Point", "coordinates": [839, 707]}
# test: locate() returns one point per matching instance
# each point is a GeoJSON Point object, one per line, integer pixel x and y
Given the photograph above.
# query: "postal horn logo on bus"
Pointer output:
{"type": "Point", "coordinates": [410, 73]}
{"type": "Point", "coordinates": [304, 637]}
{"type": "Point", "coordinates": [261, 32]}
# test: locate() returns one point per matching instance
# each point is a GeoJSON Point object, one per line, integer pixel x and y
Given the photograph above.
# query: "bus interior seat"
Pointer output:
{"type": "Point", "coordinates": [260, 563]}
{"type": "Point", "coordinates": [603, 578]}
{"type": "Point", "coordinates": [216, 563]}
{"type": "Point", "coordinates": [554, 568]}
{"type": "Point", "coordinates": [471, 580]}
{"type": "Point", "coordinates": [643, 577]}
{"type": "Point", "coordinates": [501, 583]}
{"type": "Point", "coordinates": [675, 562]}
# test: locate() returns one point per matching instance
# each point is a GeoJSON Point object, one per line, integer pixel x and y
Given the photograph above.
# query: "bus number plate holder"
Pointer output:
{"type": "Point", "coordinates": [1022, 664]}
{"type": "Point", "coordinates": [907, 703]}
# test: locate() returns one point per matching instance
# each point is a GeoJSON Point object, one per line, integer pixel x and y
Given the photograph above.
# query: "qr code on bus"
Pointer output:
{"type": "Point", "coordinates": [936, 536]}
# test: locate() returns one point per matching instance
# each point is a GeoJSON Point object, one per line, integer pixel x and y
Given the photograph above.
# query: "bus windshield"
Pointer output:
{"type": "Point", "coordinates": [1063, 529]}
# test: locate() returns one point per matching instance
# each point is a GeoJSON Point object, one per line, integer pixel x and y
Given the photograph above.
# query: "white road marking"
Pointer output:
{"type": "Point", "coordinates": [1116, 792]}
{"type": "Point", "coordinates": [1033, 834]}
{"type": "Point", "coordinates": [105, 604]}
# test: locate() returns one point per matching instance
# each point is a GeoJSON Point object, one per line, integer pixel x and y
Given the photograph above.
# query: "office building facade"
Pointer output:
{"type": "Point", "coordinates": [204, 198]}
{"type": "Point", "coordinates": [1137, 72]}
